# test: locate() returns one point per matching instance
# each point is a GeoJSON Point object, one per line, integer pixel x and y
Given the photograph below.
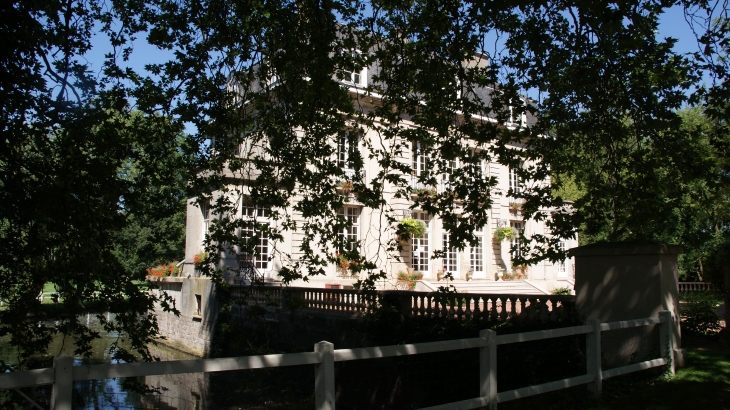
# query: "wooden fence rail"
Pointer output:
{"type": "Point", "coordinates": [462, 306]}
{"type": "Point", "coordinates": [63, 373]}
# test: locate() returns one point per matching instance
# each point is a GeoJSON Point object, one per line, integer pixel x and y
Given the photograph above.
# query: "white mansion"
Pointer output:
{"type": "Point", "coordinates": [485, 262]}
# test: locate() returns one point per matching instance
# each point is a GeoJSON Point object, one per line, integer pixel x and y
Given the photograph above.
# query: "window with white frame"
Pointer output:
{"type": "Point", "coordinates": [477, 254]}
{"type": "Point", "coordinates": [451, 168]}
{"type": "Point", "coordinates": [514, 181]}
{"type": "Point", "coordinates": [355, 76]}
{"type": "Point", "coordinates": [519, 118]}
{"type": "Point", "coordinates": [205, 211]}
{"type": "Point", "coordinates": [451, 258]}
{"type": "Point", "coordinates": [419, 164]}
{"type": "Point", "coordinates": [349, 236]}
{"type": "Point", "coordinates": [347, 142]}
{"type": "Point", "coordinates": [561, 263]}
{"type": "Point", "coordinates": [420, 246]}
{"type": "Point", "coordinates": [256, 216]}
{"type": "Point", "coordinates": [515, 241]}
{"type": "Point", "coordinates": [477, 166]}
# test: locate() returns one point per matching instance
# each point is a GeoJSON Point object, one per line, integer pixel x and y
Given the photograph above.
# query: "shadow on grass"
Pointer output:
{"type": "Point", "coordinates": [704, 384]}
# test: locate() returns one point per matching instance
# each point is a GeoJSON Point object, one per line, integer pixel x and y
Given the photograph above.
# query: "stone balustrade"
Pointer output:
{"type": "Point", "coordinates": [686, 287]}
{"type": "Point", "coordinates": [461, 306]}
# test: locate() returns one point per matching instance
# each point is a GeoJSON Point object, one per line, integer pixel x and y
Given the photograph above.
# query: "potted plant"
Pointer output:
{"type": "Point", "coordinates": [503, 233]}
{"type": "Point", "coordinates": [425, 192]}
{"type": "Point", "coordinates": [344, 264]}
{"type": "Point", "coordinates": [515, 207]}
{"type": "Point", "coordinates": [410, 228]}
{"type": "Point", "coordinates": [164, 270]}
{"type": "Point", "coordinates": [199, 260]}
{"type": "Point", "coordinates": [520, 271]}
{"type": "Point", "coordinates": [346, 187]}
{"type": "Point", "coordinates": [410, 278]}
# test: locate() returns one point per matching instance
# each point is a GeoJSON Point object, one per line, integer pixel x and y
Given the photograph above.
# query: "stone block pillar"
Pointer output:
{"type": "Point", "coordinates": [623, 281]}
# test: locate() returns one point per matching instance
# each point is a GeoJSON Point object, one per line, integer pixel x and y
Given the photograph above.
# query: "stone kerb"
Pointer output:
{"type": "Point", "coordinates": [624, 281]}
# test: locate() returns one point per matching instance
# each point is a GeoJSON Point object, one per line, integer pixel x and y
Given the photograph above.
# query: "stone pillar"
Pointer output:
{"type": "Point", "coordinates": [623, 281]}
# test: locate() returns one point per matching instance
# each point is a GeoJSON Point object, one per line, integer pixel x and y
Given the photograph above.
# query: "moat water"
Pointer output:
{"type": "Point", "coordinates": [181, 392]}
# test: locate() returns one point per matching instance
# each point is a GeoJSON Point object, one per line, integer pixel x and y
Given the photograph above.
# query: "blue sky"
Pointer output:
{"type": "Point", "coordinates": [672, 24]}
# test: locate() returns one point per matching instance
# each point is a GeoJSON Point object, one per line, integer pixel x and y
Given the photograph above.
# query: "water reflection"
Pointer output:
{"type": "Point", "coordinates": [181, 392]}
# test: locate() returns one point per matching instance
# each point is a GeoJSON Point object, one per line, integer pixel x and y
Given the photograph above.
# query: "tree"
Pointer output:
{"type": "Point", "coordinates": [263, 76]}
{"type": "Point", "coordinates": [610, 91]}
{"type": "Point", "coordinates": [76, 166]}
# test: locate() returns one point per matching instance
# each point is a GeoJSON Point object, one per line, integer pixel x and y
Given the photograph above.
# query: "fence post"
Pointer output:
{"type": "Point", "coordinates": [488, 368]}
{"type": "Point", "coordinates": [324, 377]}
{"type": "Point", "coordinates": [593, 357]}
{"type": "Point", "coordinates": [63, 382]}
{"type": "Point", "coordinates": [666, 340]}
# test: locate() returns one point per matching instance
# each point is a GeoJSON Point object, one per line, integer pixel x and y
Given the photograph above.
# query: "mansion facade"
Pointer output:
{"type": "Point", "coordinates": [489, 259]}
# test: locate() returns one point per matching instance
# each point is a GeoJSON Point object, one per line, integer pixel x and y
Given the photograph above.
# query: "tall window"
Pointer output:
{"type": "Point", "coordinates": [451, 258]}
{"type": "Point", "coordinates": [477, 254]}
{"type": "Point", "coordinates": [561, 263]}
{"type": "Point", "coordinates": [420, 246]}
{"type": "Point", "coordinates": [349, 237]}
{"type": "Point", "coordinates": [346, 148]}
{"type": "Point", "coordinates": [256, 215]}
{"type": "Point", "coordinates": [514, 181]}
{"type": "Point", "coordinates": [419, 164]}
{"type": "Point", "coordinates": [515, 241]}
{"type": "Point", "coordinates": [205, 211]}
{"type": "Point", "coordinates": [451, 169]}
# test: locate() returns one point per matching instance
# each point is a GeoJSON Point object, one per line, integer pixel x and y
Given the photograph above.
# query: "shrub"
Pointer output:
{"type": "Point", "coordinates": [199, 259]}
{"type": "Point", "coordinates": [699, 313]}
{"type": "Point", "coordinates": [562, 291]}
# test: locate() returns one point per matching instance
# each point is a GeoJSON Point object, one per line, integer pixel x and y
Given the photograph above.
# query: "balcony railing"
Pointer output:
{"type": "Point", "coordinates": [462, 306]}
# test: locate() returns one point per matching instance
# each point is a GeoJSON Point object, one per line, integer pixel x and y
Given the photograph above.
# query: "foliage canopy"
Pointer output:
{"type": "Point", "coordinates": [261, 83]}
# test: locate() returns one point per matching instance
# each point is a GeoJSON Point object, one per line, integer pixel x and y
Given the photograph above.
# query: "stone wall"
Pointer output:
{"type": "Point", "coordinates": [196, 301]}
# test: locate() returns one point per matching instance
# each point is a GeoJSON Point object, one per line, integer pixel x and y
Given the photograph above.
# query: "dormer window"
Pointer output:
{"type": "Point", "coordinates": [353, 75]}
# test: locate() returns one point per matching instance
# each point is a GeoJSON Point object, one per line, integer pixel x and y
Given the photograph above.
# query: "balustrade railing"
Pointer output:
{"type": "Point", "coordinates": [461, 306]}
{"type": "Point", "coordinates": [686, 287]}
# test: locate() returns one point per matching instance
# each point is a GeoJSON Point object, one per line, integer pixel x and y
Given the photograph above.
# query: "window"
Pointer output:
{"type": "Point", "coordinates": [515, 241]}
{"type": "Point", "coordinates": [514, 182]}
{"type": "Point", "coordinates": [451, 259]}
{"type": "Point", "coordinates": [420, 246]}
{"type": "Point", "coordinates": [451, 169]}
{"type": "Point", "coordinates": [477, 254]}
{"type": "Point", "coordinates": [518, 118]}
{"type": "Point", "coordinates": [256, 215]}
{"type": "Point", "coordinates": [419, 164]}
{"type": "Point", "coordinates": [349, 237]}
{"type": "Point", "coordinates": [205, 211]}
{"type": "Point", "coordinates": [561, 263]}
{"type": "Point", "coordinates": [346, 149]}
{"type": "Point", "coordinates": [198, 304]}
{"type": "Point", "coordinates": [353, 75]}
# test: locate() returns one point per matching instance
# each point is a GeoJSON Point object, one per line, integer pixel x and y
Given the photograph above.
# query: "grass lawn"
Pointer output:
{"type": "Point", "coordinates": [703, 384]}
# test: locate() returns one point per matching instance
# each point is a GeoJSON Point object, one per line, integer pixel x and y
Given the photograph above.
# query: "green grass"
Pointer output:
{"type": "Point", "coordinates": [49, 287]}
{"type": "Point", "coordinates": [703, 384]}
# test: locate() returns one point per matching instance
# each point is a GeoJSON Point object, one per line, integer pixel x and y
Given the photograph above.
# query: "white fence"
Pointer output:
{"type": "Point", "coordinates": [63, 373]}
